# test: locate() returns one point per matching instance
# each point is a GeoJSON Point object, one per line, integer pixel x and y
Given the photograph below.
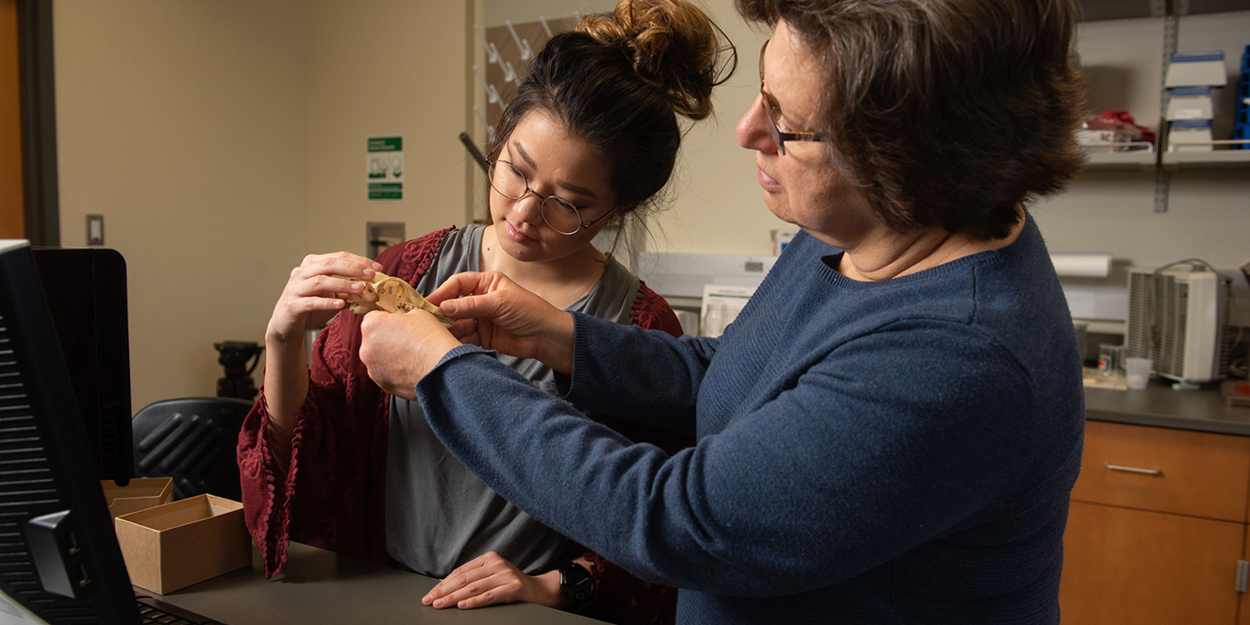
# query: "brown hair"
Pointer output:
{"type": "Point", "coordinates": [619, 83]}
{"type": "Point", "coordinates": [946, 112]}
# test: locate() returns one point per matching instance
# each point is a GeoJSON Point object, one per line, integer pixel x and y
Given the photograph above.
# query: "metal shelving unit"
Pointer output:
{"type": "Point", "coordinates": [1214, 159]}
{"type": "Point", "coordinates": [1163, 162]}
{"type": "Point", "coordinates": [1140, 159]}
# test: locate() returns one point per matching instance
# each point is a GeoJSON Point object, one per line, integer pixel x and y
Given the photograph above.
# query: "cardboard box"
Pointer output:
{"type": "Point", "coordinates": [178, 544]}
{"type": "Point", "coordinates": [140, 494]}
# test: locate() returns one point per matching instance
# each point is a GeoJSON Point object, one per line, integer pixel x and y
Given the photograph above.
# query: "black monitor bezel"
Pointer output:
{"type": "Point", "coordinates": [40, 395]}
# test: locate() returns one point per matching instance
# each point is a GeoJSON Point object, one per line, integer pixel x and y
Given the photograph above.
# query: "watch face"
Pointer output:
{"type": "Point", "coordinates": [576, 583]}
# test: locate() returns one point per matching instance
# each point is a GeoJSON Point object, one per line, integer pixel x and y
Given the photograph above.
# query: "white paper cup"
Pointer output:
{"type": "Point", "coordinates": [1138, 372]}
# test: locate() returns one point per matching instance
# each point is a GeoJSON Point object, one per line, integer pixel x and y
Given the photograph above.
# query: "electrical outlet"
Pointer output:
{"type": "Point", "coordinates": [95, 229]}
{"type": "Point", "coordinates": [379, 236]}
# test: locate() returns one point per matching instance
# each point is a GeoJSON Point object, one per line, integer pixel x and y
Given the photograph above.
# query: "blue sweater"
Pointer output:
{"type": "Point", "coordinates": [890, 452]}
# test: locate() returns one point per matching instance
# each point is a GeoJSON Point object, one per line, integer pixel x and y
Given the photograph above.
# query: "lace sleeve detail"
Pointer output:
{"type": "Point", "coordinates": [652, 312]}
{"type": "Point", "coordinates": [626, 600]}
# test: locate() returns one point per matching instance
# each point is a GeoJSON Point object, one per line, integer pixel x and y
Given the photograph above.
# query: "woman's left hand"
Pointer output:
{"type": "Point", "coordinates": [398, 349]}
{"type": "Point", "coordinates": [489, 579]}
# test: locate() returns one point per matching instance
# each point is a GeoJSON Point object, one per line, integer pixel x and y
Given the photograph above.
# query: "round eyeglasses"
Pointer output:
{"type": "Point", "coordinates": [559, 214]}
{"type": "Point", "coordinates": [774, 115]}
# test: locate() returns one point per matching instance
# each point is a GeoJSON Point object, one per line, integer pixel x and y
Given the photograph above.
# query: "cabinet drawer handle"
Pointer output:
{"type": "Point", "coordinates": [1116, 467]}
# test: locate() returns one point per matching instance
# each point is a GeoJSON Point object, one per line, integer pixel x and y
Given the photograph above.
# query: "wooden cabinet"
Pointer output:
{"type": "Point", "coordinates": [1157, 527]}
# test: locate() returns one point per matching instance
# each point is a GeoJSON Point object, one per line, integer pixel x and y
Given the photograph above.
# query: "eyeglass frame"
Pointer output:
{"type": "Point", "coordinates": [780, 137]}
{"type": "Point", "coordinates": [542, 206]}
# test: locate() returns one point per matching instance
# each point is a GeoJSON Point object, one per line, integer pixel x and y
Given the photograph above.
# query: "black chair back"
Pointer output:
{"type": "Point", "coordinates": [193, 441]}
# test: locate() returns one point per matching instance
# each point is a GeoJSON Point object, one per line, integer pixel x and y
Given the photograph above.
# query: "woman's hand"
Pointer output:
{"type": "Point", "coordinates": [398, 348]}
{"type": "Point", "coordinates": [311, 297]}
{"type": "Point", "coordinates": [508, 318]}
{"type": "Point", "coordinates": [490, 579]}
{"type": "Point", "coordinates": [313, 294]}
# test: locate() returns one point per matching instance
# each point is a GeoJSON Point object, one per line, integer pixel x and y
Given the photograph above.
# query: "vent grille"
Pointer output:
{"type": "Point", "coordinates": [1159, 306]}
{"type": "Point", "coordinates": [27, 485]}
{"type": "Point", "coordinates": [1158, 319]}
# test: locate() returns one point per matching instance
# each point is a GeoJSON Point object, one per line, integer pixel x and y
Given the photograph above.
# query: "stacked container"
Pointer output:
{"type": "Point", "coordinates": [1190, 78]}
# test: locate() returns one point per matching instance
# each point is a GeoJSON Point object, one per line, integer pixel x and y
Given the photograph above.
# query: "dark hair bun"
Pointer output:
{"type": "Point", "coordinates": [673, 45]}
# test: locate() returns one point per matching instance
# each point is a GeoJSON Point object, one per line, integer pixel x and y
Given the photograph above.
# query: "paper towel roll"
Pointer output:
{"type": "Point", "coordinates": [1082, 265]}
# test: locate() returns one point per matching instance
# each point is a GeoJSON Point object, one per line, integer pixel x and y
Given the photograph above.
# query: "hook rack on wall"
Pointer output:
{"type": "Point", "coordinates": [509, 50]}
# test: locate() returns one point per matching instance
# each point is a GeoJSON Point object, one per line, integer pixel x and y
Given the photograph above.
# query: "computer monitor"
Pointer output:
{"type": "Point", "coordinates": [86, 293]}
{"type": "Point", "coordinates": [59, 557]}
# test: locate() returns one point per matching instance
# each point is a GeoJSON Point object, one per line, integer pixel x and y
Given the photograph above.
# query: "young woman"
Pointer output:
{"type": "Point", "coordinates": [329, 459]}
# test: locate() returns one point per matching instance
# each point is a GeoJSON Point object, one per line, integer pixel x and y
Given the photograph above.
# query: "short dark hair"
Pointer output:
{"type": "Point", "coordinates": [947, 112]}
{"type": "Point", "coordinates": [620, 81]}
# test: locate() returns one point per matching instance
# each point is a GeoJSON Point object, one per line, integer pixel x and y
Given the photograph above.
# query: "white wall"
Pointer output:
{"type": "Point", "coordinates": [223, 140]}
{"type": "Point", "coordinates": [1113, 211]}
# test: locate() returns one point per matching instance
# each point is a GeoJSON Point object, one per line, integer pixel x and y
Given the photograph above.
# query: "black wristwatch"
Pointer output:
{"type": "Point", "coordinates": [576, 585]}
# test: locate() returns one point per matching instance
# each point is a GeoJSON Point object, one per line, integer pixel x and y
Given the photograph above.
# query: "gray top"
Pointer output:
{"type": "Point", "coordinates": [438, 514]}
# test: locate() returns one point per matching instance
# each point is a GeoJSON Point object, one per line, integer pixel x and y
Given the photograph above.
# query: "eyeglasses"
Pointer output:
{"type": "Point", "coordinates": [774, 115]}
{"type": "Point", "coordinates": [560, 215]}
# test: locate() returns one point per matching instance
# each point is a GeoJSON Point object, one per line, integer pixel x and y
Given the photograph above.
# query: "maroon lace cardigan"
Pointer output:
{"type": "Point", "coordinates": [331, 495]}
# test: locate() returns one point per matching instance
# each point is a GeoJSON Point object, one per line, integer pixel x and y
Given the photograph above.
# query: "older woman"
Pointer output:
{"type": "Point", "coordinates": [889, 431]}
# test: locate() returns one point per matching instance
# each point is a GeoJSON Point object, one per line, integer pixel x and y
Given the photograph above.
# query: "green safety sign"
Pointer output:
{"type": "Point", "coordinates": [385, 168]}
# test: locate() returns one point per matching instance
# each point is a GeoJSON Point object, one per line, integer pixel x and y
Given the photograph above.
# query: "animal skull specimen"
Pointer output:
{"type": "Point", "coordinates": [392, 295]}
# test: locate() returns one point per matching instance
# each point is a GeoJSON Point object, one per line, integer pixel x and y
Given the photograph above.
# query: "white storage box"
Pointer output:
{"type": "Point", "coordinates": [1185, 131]}
{"type": "Point", "coordinates": [1197, 69]}
{"type": "Point", "coordinates": [1189, 103]}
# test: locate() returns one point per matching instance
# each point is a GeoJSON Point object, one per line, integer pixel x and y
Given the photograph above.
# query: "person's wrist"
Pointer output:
{"type": "Point", "coordinates": [440, 345]}
{"type": "Point", "coordinates": [549, 582]}
{"type": "Point", "coordinates": [558, 350]}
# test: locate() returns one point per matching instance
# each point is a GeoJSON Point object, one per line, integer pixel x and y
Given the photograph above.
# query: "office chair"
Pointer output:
{"type": "Point", "coordinates": [193, 441]}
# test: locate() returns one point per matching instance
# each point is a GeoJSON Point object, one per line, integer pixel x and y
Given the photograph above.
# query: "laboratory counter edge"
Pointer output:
{"type": "Point", "coordinates": [319, 586]}
{"type": "Point", "coordinates": [1158, 405]}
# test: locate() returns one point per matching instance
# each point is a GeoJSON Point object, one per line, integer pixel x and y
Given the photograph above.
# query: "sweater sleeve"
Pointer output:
{"type": "Point", "coordinates": [857, 462]}
{"type": "Point", "coordinates": [270, 494]}
{"type": "Point", "coordinates": [623, 598]}
{"type": "Point", "coordinates": [330, 494]}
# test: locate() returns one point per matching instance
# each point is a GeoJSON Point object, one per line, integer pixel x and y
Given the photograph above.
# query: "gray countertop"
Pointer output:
{"type": "Point", "coordinates": [1160, 406]}
{"type": "Point", "coordinates": [319, 586]}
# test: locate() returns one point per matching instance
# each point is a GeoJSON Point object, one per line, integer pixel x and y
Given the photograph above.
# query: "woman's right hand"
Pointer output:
{"type": "Point", "coordinates": [312, 297]}
{"type": "Point", "coordinates": [313, 294]}
{"type": "Point", "coordinates": [507, 318]}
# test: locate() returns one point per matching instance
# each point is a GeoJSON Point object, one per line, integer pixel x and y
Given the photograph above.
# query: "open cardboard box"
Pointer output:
{"type": "Point", "coordinates": [178, 544]}
{"type": "Point", "coordinates": [140, 494]}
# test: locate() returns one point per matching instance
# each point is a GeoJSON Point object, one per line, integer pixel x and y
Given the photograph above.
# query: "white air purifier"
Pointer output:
{"type": "Point", "coordinates": [1179, 318]}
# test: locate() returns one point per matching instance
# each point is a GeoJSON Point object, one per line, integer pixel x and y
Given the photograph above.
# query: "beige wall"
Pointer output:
{"type": "Point", "coordinates": [223, 140]}
{"type": "Point", "coordinates": [718, 206]}
{"type": "Point", "coordinates": [384, 68]}
{"type": "Point", "coordinates": [498, 12]}
{"type": "Point", "coordinates": [185, 124]}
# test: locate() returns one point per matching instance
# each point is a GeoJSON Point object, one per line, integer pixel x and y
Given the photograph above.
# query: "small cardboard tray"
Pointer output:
{"type": "Point", "coordinates": [178, 544]}
{"type": "Point", "coordinates": [140, 494]}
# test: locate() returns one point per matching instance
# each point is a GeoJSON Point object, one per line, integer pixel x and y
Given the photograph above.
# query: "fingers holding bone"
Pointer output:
{"type": "Point", "coordinates": [391, 294]}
